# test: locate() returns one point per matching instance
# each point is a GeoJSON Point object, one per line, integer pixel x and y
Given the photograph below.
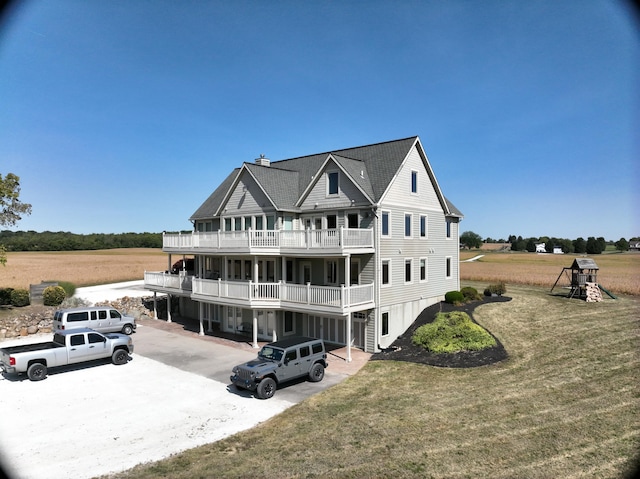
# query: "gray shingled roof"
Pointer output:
{"type": "Point", "coordinates": [378, 163]}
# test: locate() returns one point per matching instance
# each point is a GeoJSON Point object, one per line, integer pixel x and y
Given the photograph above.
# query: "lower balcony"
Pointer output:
{"type": "Point", "coordinates": [301, 297]}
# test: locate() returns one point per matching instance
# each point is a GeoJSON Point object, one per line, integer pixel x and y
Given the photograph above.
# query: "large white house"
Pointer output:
{"type": "Point", "coordinates": [349, 246]}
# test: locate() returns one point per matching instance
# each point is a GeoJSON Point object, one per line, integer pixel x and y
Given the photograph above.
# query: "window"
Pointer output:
{"type": "Point", "coordinates": [290, 355]}
{"type": "Point", "coordinates": [407, 225]}
{"type": "Point", "coordinates": [114, 314]}
{"type": "Point", "coordinates": [96, 338]}
{"type": "Point", "coordinates": [332, 271]}
{"type": "Point", "coordinates": [288, 322]}
{"type": "Point", "coordinates": [304, 351]}
{"type": "Point", "coordinates": [332, 222]}
{"type": "Point", "coordinates": [414, 182]}
{"type": "Point", "coordinates": [102, 314]}
{"type": "Point", "coordinates": [316, 348]}
{"type": "Point", "coordinates": [258, 222]}
{"type": "Point", "coordinates": [448, 229]}
{"type": "Point", "coordinates": [448, 267]}
{"type": "Point", "coordinates": [72, 317]}
{"type": "Point", "coordinates": [407, 270]}
{"type": "Point", "coordinates": [77, 340]}
{"type": "Point", "coordinates": [423, 226]}
{"type": "Point", "coordinates": [423, 269]}
{"type": "Point", "coordinates": [227, 224]}
{"type": "Point", "coordinates": [271, 222]}
{"type": "Point", "coordinates": [385, 223]}
{"type": "Point", "coordinates": [352, 220]}
{"type": "Point", "coordinates": [385, 323]}
{"type": "Point", "coordinates": [247, 222]}
{"type": "Point", "coordinates": [385, 271]}
{"type": "Point", "coordinates": [237, 224]}
{"type": "Point", "coordinates": [332, 183]}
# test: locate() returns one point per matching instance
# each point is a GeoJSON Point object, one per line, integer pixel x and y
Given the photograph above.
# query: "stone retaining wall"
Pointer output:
{"type": "Point", "coordinates": [38, 319]}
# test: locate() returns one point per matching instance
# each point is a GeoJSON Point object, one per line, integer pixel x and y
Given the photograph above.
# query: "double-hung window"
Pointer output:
{"type": "Point", "coordinates": [408, 263]}
{"type": "Point", "coordinates": [407, 225]}
{"type": "Point", "coordinates": [386, 230]}
{"type": "Point", "coordinates": [386, 272]}
{"type": "Point", "coordinates": [332, 183]}
{"type": "Point", "coordinates": [423, 226]}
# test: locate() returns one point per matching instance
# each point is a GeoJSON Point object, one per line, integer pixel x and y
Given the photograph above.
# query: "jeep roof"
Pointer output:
{"type": "Point", "coordinates": [288, 342]}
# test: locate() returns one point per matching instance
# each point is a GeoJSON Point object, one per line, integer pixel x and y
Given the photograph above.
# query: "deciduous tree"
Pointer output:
{"type": "Point", "coordinates": [11, 208]}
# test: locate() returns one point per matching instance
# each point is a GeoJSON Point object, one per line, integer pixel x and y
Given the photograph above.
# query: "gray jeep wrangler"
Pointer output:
{"type": "Point", "coordinates": [279, 362]}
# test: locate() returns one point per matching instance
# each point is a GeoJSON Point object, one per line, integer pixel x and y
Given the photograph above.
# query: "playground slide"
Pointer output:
{"type": "Point", "coordinates": [606, 291]}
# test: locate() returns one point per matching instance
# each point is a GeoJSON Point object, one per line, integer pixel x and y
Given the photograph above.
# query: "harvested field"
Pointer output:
{"type": "Point", "coordinates": [619, 272]}
{"type": "Point", "coordinates": [82, 268]}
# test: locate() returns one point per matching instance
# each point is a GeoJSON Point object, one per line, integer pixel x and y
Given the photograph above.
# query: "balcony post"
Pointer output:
{"type": "Point", "coordinates": [308, 293]}
{"type": "Point", "coordinates": [255, 329]}
{"type": "Point", "coordinates": [341, 237]}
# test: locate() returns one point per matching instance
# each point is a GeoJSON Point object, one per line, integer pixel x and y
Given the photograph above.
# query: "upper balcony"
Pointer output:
{"type": "Point", "coordinates": [301, 242]}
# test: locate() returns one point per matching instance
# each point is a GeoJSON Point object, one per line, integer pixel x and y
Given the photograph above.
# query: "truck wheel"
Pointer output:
{"type": "Point", "coordinates": [317, 373]}
{"type": "Point", "coordinates": [119, 356]}
{"type": "Point", "coordinates": [266, 388]}
{"type": "Point", "coordinates": [127, 329]}
{"type": "Point", "coordinates": [37, 372]}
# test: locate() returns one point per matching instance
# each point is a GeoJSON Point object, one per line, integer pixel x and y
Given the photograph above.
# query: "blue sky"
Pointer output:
{"type": "Point", "coordinates": [123, 116]}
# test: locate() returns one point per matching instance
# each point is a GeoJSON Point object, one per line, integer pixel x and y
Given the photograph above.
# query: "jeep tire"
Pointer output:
{"type": "Point", "coordinates": [266, 388]}
{"type": "Point", "coordinates": [317, 373]}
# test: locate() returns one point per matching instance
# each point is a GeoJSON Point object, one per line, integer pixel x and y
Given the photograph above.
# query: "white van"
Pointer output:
{"type": "Point", "coordinates": [99, 318]}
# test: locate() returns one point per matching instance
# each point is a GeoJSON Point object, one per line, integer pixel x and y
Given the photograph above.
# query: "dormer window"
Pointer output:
{"type": "Point", "coordinates": [332, 183]}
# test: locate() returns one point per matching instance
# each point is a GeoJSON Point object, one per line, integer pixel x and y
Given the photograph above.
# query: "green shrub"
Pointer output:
{"type": "Point", "coordinates": [5, 295]}
{"type": "Point", "coordinates": [498, 288]}
{"type": "Point", "coordinates": [453, 332]}
{"type": "Point", "coordinates": [53, 295]}
{"type": "Point", "coordinates": [470, 293]}
{"type": "Point", "coordinates": [69, 288]}
{"type": "Point", "coordinates": [20, 297]}
{"type": "Point", "coordinates": [454, 297]}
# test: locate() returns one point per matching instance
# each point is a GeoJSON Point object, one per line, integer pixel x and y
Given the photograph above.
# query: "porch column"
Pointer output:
{"type": "Point", "coordinates": [168, 308]}
{"type": "Point", "coordinates": [255, 329]}
{"type": "Point", "coordinates": [348, 337]}
{"type": "Point", "coordinates": [255, 270]}
{"type": "Point", "coordinates": [155, 305]}
{"type": "Point", "coordinates": [283, 274]}
{"type": "Point", "coordinates": [347, 281]}
{"type": "Point", "coordinates": [200, 314]}
{"type": "Point", "coordinates": [211, 307]}
{"type": "Point", "coordinates": [169, 263]}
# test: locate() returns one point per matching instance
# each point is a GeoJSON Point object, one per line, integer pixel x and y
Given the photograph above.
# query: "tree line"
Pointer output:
{"type": "Point", "coordinates": [65, 241]}
{"type": "Point", "coordinates": [591, 245]}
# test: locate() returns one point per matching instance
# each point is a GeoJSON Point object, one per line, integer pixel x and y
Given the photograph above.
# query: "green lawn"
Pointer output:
{"type": "Point", "coordinates": [565, 404]}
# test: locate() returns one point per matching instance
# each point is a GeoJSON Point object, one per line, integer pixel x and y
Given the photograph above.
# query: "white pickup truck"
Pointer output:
{"type": "Point", "coordinates": [68, 347]}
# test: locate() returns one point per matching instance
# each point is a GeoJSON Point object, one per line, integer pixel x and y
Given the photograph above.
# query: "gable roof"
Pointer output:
{"type": "Point", "coordinates": [370, 167]}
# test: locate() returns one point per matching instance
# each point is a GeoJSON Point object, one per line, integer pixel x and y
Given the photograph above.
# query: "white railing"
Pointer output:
{"type": "Point", "coordinates": [179, 281]}
{"type": "Point", "coordinates": [339, 297]}
{"type": "Point", "coordinates": [289, 239]}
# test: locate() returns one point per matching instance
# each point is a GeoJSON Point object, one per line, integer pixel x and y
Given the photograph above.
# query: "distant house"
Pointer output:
{"type": "Point", "coordinates": [541, 248]}
{"type": "Point", "coordinates": [348, 245]}
{"type": "Point", "coordinates": [557, 250]}
{"type": "Point", "coordinates": [634, 246]}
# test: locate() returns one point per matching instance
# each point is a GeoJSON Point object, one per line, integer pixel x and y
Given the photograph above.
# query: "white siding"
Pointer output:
{"type": "Point", "coordinates": [347, 191]}
{"type": "Point", "coordinates": [247, 198]}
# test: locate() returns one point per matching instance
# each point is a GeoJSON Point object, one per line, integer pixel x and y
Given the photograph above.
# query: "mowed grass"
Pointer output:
{"type": "Point", "coordinates": [82, 268]}
{"type": "Point", "coordinates": [565, 404]}
{"type": "Point", "coordinates": [618, 272]}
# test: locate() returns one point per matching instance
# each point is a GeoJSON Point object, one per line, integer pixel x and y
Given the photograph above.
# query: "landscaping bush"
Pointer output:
{"type": "Point", "coordinates": [53, 295]}
{"type": "Point", "coordinates": [453, 332]}
{"type": "Point", "coordinates": [470, 293]}
{"type": "Point", "coordinates": [20, 297]}
{"type": "Point", "coordinates": [5, 295]}
{"type": "Point", "coordinates": [69, 288]}
{"type": "Point", "coordinates": [498, 288]}
{"type": "Point", "coordinates": [454, 297]}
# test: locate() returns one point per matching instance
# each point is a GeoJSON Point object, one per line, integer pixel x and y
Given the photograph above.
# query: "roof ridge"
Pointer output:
{"type": "Point", "coordinates": [345, 149]}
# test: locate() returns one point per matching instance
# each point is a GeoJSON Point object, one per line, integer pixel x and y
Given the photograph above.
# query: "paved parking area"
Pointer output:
{"type": "Point", "coordinates": [173, 395]}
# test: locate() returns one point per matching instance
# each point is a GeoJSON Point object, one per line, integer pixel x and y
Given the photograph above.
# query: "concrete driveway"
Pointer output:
{"type": "Point", "coordinates": [173, 395]}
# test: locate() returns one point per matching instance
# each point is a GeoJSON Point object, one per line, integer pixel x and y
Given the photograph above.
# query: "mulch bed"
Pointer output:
{"type": "Point", "coordinates": [403, 348]}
